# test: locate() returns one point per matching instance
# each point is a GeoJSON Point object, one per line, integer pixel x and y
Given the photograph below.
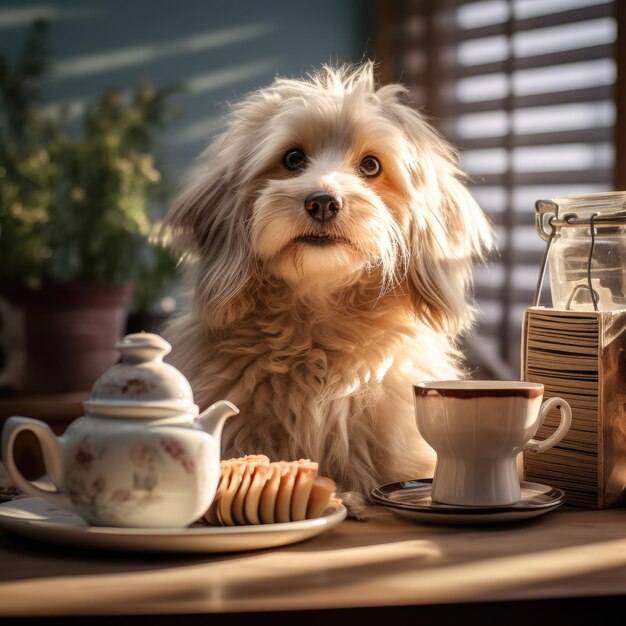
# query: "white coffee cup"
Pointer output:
{"type": "Point", "coordinates": [477, 428]}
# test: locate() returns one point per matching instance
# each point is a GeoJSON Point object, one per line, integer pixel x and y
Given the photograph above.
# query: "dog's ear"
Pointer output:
{"type": "Point", "coordinates": [206, 225]}
{"type": "Point", "coordinates": [450, 236]}
{"type": "Point", "coordinates": [447, 230]}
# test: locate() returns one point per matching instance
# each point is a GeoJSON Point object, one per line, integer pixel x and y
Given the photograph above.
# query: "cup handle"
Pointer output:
{"type": "Point", "coordinates": [534, 445]}
{"type": "Point", "coordinates": [51, 454]}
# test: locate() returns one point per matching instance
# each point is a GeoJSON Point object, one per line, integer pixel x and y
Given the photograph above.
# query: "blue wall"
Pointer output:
{"type": "Point", "coordinates": [217, 51]}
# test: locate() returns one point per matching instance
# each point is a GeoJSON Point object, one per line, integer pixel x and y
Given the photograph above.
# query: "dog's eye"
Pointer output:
{"type": "Point", "coordinates": [370, 167]}
{"type": "Point", "coordinates": [294, 159]}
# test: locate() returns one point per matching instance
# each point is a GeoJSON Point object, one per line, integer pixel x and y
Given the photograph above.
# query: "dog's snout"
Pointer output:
{"type": "Point", "coordinates": [323, 205]}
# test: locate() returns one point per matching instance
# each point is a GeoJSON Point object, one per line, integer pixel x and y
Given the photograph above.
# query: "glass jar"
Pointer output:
{"type": "Point", "coordinates": [585, 251]}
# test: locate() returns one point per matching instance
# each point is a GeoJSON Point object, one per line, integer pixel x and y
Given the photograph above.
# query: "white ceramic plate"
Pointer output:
{"type": "Point", "coordinates": [35, 519]}
{"type": "Point", "coordinates": [411, 499]}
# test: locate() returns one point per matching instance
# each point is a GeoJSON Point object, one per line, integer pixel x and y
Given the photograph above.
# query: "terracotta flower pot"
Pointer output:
{"type": "Point", "coordinates": [60, 338]}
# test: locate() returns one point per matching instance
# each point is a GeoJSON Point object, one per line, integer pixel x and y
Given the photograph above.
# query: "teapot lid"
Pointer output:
{"type": "Point", "coordinates": [141, 384]}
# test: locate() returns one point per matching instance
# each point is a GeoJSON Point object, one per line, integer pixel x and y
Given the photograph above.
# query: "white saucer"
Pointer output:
{"type": "Point", "coordinates": [34, 518]}
{"type": "Point", "coordinates": [411, 499]}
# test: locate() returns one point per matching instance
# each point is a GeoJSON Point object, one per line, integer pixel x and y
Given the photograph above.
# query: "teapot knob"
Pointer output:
{"type": "Point", "coordinates": [142, 347]}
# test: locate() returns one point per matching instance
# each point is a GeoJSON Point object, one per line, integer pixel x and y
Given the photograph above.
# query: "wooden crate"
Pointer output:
{"type": "Point", "coordinates": [580, 357]}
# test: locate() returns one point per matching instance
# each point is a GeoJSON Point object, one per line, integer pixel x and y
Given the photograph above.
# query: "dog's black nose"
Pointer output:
{"type": "Point", "coordinates": [323, 205]}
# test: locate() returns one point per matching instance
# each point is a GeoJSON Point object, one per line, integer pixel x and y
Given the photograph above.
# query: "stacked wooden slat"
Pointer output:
{"type": "Point", "coordinates": [579, 356]}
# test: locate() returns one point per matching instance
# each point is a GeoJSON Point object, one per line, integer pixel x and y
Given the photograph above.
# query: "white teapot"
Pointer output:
{"type": "Point", "coordinates": [141, 456]}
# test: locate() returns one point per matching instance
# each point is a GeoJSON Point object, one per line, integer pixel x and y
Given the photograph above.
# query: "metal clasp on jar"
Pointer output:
{"type": "Point", "coordinates": [548, 223]}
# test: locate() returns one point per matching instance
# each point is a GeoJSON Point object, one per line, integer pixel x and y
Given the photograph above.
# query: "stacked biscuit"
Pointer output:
{"type": "Point", "coordinates": [252, 490]}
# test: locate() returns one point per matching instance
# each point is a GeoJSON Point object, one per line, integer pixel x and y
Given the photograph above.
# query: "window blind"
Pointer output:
{"type": "Point", "coordinates": [526, 90]}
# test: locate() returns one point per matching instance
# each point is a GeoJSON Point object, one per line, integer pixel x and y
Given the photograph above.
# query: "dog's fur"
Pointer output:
{"type": "Point", "coordinates": [319, 346]}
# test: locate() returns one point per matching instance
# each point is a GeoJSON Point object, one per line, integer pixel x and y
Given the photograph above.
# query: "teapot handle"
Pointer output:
{"type": "Point", "coordinates": [51, 454]}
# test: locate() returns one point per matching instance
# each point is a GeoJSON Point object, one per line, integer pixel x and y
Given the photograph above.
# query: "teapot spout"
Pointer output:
{"type": "Point", "coordinates": [212, 420]}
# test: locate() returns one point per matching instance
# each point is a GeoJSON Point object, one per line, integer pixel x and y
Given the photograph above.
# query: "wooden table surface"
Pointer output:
{"type": "Point", "coordinates": [384, 567]}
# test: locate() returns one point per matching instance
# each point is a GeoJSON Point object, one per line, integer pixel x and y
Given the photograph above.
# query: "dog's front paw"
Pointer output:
{"type": "Point", "coordinates": [357, 504]}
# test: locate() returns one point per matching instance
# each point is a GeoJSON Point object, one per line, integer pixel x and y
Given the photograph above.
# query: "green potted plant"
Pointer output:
{"type": "Point", "coordinates": [75, 225]}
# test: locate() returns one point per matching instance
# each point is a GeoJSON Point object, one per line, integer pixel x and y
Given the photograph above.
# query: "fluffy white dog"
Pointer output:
{"type": "Point", "coordinates": [330, 238]}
